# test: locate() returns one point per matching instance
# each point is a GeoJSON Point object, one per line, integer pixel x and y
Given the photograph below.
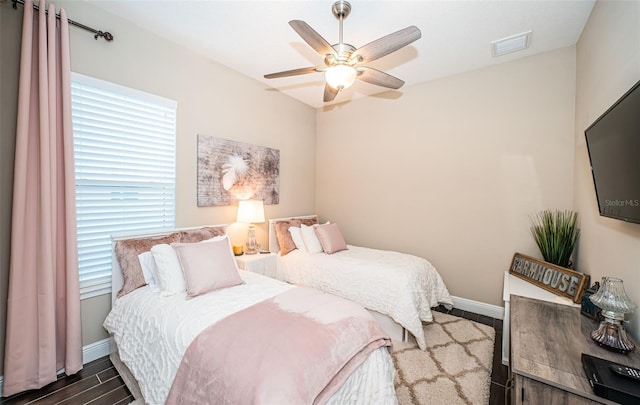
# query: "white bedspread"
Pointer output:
{"type": "Point", "coordinates": [402, 286]}
{"type": "Point", "coordinates": [152, 333]}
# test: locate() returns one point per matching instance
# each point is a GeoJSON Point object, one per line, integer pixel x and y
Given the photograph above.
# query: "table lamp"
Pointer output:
{"type": "Point", "coordinates": [615, 303]}
{"type": "Point", "coordinates": [251, 212]}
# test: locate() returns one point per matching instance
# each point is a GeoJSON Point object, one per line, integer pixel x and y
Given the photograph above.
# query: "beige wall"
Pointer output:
{"type": "Point", "coordinates": [212, 100]}
{"type": "Point", "coordinates": [452, 169]}
{"type": "Point", "coordinates": [608, 64]}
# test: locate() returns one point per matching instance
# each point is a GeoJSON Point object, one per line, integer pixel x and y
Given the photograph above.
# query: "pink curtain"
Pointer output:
{"type": "Point", "coordinates": [43, 310]}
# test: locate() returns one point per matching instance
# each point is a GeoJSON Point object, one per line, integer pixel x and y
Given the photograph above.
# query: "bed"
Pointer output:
{"type": "Point", "coordinates": [165, 342]}
{"type": "Point", "coordinates": [398, 289]}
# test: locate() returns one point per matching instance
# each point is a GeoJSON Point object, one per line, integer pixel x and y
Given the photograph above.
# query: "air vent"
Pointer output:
{"type": "Point", "coordinates": [511, 44]}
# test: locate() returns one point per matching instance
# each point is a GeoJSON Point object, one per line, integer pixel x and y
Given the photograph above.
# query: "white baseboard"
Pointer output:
{"type": "Point", "coordinates": [94, 351]}
{"type": "Point", "coordinates": [477, 307]}
{"type": "Point", "coordinates": [90, 352]}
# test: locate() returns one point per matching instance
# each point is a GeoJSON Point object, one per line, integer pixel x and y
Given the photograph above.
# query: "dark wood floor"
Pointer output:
{"type": "Point", "coordinates": [99, 383]}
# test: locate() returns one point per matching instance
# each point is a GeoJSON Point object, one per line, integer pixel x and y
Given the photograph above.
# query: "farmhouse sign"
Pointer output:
{"type": "Point", "coordinates": [558, 280]}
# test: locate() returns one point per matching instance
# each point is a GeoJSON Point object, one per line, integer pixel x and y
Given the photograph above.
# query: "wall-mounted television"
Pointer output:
{"type": "Point", "coordinates": [613, 141]}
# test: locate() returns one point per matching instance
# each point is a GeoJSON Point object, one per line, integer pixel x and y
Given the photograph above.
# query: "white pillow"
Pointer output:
{"type": "Point", "coordinates": [169, 272]}
{"type": "Point", "coordinates": [296, 235]}
{"type": "Point", "coordinates": [149, 269]}
{"type": "Point", "coordinates": [311, 241]}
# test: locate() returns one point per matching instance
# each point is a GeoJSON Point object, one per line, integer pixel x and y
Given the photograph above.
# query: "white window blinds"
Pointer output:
{"type": "Point", "coordinates": [124, 148]}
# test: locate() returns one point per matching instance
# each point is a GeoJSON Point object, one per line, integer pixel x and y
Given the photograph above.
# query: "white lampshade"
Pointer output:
{"type": "Point", "coordinates": [250, 211]}
{"type": "Point", "coordinates": [340, 76]}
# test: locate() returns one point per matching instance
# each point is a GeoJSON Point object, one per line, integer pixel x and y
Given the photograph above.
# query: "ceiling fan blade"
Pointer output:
{"type": "Point", "coordinates": [312, 38]}
{"type": "Point", "coordinates": [387, 44]}
{"type": "Point", "coordinates": [374, 76]}
{"type": "Point", "coordinates": [293, 72]}
{"type": "Point", "coordinates": [329, 93]}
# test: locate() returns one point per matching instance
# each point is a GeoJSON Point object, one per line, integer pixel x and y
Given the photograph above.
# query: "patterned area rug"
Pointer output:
{"type": "Point", "coordinates": [455, 368]}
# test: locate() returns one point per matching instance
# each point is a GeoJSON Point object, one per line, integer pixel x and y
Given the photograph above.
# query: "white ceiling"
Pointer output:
{"type": "Point", "coordinates": [254, 37]}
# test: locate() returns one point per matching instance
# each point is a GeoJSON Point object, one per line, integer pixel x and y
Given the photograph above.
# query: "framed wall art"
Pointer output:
{"type": "Point", "coordinates": [229, 171]}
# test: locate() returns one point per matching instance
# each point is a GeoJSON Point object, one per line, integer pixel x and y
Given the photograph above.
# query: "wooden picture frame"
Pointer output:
{"type": "Point", "coordinates": [556, 279]}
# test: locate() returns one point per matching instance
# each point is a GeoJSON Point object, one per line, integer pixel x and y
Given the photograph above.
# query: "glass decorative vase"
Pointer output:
{"type": "Point", "coordinates": [612, 299]}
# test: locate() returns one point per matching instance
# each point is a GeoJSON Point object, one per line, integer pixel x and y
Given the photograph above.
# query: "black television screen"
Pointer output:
{"type": "Point", "coordinates": [613, 141]}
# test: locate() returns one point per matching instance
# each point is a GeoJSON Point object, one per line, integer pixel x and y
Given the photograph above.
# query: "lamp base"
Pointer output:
{"type": "Point", "coordinates": [611, 335]}
{"type": "Point", "coordinates": [251, 241]}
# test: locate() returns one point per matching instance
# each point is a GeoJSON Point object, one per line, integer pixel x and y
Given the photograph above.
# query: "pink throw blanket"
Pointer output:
{"type": "Point", "coordinates": [297, 347]}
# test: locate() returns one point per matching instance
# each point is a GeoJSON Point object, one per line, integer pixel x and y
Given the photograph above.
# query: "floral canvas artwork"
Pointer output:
{"type": "Point", "coordinates": [229, 171]}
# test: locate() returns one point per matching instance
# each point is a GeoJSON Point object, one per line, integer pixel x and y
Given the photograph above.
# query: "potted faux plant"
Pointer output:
{"type": "Point", "coordinates": [556, 234]}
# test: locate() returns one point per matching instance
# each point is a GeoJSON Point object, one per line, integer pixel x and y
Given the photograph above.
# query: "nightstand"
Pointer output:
{"type": "Point", "coordinates": [265, 264]}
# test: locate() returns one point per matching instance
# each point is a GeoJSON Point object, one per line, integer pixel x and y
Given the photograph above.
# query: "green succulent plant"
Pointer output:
{"type": "Point", "coordinates": [556, 234]}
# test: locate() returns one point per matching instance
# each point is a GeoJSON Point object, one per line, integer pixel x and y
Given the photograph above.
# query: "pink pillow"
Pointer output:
{"type": "Point", "coordinates": [285, 242]}
{"type": "Point", "coordinates": [127, 252]}
{"type": "Point", "coordinates": [198, 235]}
{"type": "Point", "coordinates": [330, 238]}
{"type": "Point", "coordinates": [207, 266]}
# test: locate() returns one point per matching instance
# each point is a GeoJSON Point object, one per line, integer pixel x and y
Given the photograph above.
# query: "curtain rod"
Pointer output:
{"type": "Point", "coordinates": [106, 35]}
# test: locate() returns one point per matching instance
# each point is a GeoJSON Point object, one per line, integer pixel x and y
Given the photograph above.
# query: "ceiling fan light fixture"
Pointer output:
{"type": "Point", "coordinates": [340, 77]}
{"type": "Point", "coordinates": [342, 60]}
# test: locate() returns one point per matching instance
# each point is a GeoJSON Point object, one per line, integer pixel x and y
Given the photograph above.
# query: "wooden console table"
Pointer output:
{"type": "Point", "coordinates": [517, 286]}
{"type": "Point", "coordinates": [547, 340]}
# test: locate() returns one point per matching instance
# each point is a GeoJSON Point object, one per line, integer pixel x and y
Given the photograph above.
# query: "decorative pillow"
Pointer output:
{"type": "Point", "coordinates": [284, 237]}
{"type": "Point", "coordinates": [207, 266]}
{"type": "Point", "coordinates": [214, 239]}
{"type": "Point", "coordinates": [127, 252]}
{"type": "Point", "coordinates": [311, 241]}
{"type": "Point", "coordinates": [296, 235]}
{"type": "Point", "coordinates": [285, 242]}
{"type": "Point", "coordinates": [197, 235]}
{"type": "Point", "coordinates": [331, 238]}
{"type": "Point", "coordinates": [149, 269]}
{"type": "Point", "coordinates": [170, 276]}
{"type": "Point", "coordinates": [304, 221]}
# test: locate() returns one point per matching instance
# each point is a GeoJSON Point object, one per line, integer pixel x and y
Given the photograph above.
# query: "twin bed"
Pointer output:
{"type": "Point", "coordinates": [398, 289]}
{"type": "Point", "coordinates": [258, 340]}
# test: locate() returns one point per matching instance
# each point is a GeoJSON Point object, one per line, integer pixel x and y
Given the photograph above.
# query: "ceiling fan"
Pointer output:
{"type": "Point", "coordinates": [343, 62]}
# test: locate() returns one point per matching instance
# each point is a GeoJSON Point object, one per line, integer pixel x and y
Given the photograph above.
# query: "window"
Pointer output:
{"type": "Point", "coordinates": [124, 149]}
